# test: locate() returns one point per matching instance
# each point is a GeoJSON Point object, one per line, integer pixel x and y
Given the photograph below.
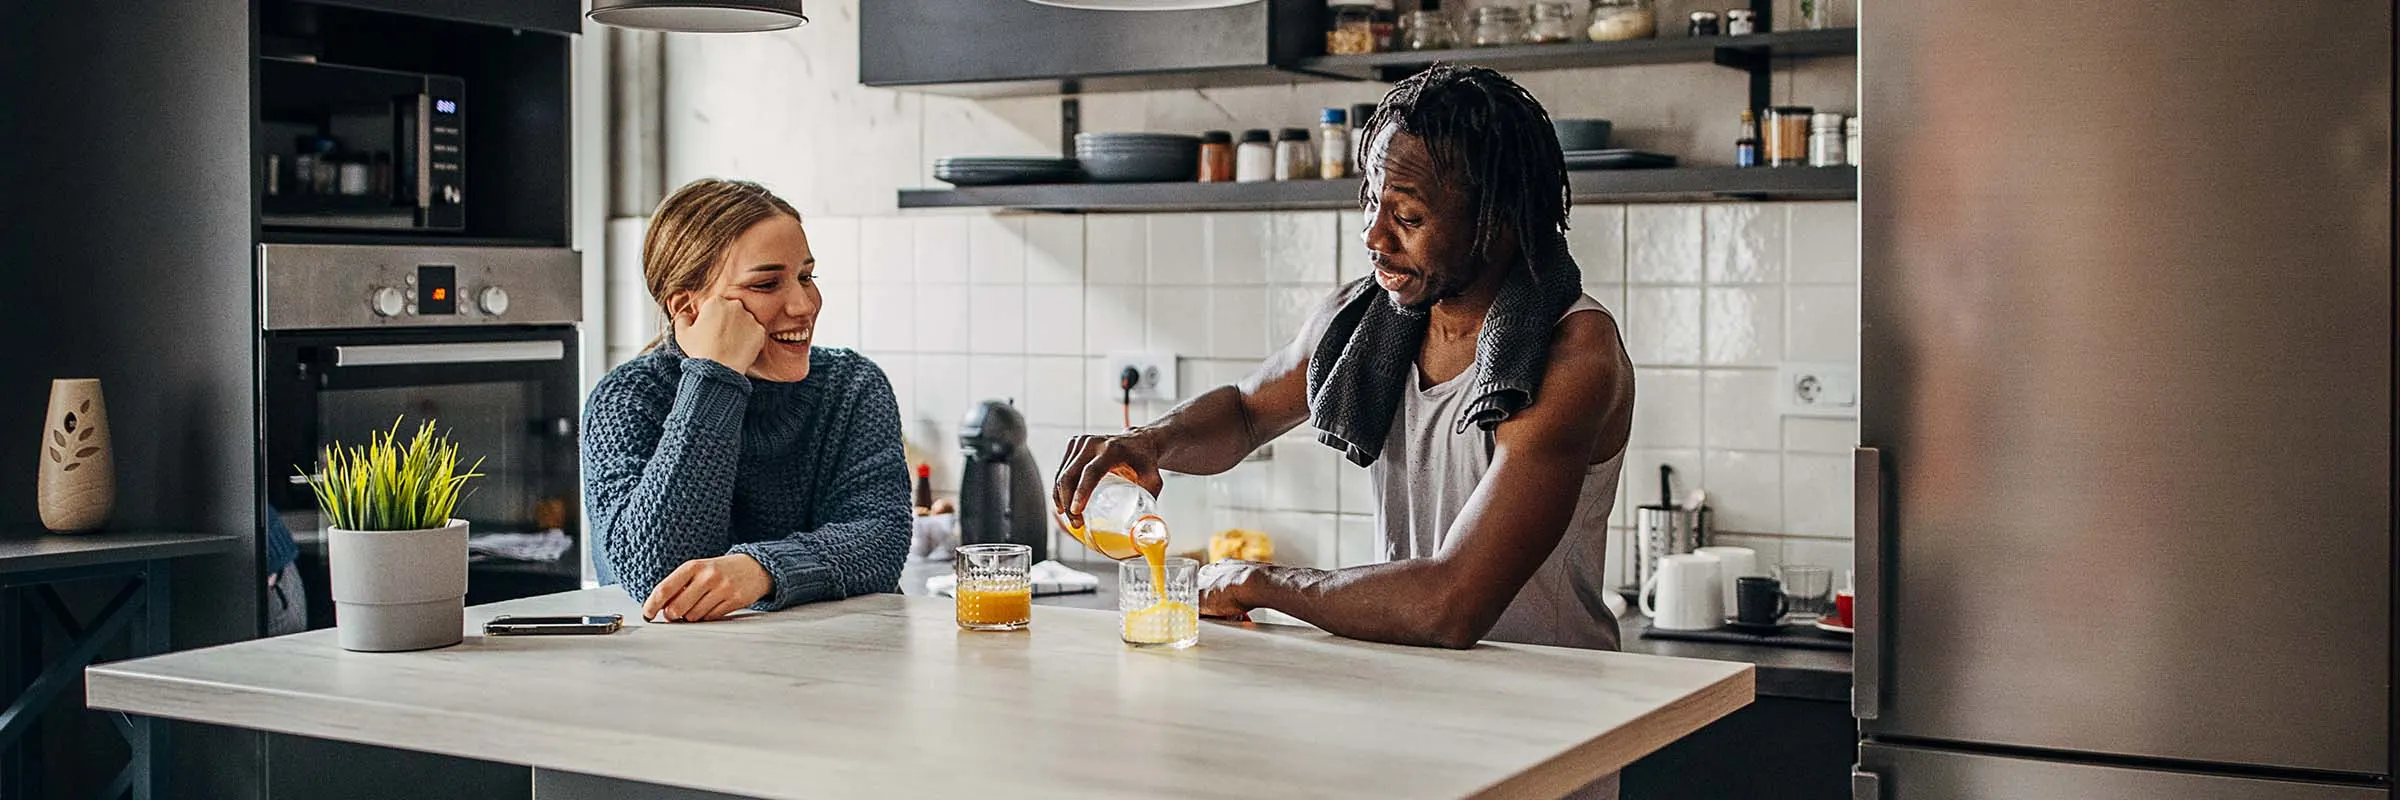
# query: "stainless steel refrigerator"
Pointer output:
{"type": "Point", "coordinates": [2124, 490]}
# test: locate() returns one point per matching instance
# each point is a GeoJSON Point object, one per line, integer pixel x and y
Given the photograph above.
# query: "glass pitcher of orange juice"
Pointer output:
{"type": "Point", "coordinates": [1121, 521]}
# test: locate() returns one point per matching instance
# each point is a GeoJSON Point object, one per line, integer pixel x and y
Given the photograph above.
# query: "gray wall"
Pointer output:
{"type": "Point", "coordinates": [125, 230]}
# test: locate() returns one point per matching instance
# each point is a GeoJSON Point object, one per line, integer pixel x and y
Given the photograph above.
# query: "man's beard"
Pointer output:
{"type": "Point", "coordinates": [1440, 287]}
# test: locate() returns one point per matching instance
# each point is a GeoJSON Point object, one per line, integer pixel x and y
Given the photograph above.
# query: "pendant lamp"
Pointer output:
{"type": "Point", "coordinates": [699, 16]}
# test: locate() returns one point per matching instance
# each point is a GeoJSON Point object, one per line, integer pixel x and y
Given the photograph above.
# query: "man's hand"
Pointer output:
{"type": "Point", "coordinates": [708, 588]}
{"type": "Point", "coordinates": [1221, 585]}
{"type": "Point", "coordinates": [1089, 458]}
{"type": "Point", "coordinates": [720, 329]}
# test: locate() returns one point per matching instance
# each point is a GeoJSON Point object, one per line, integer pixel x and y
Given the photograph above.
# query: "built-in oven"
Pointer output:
{"type": "Point", "coordinates": [360, 148]}
{"type": "Point", "coordinates": [479, 340]}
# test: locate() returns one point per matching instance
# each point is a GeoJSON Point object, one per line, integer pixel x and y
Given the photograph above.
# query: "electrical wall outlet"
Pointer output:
{"type": "Point", "coordinates": [1156, 371]}
{"type": "Point", "coordinates": [1819, 390]}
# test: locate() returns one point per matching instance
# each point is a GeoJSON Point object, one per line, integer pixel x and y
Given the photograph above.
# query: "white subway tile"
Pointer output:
{"type": "Point", "coordinates": [1306, 540]}
{"type": "Point", "coordinates": [1834, 555]}
{"type": "Point", "coordinates": [1303, 248]}
{"type": "Point", "coordinates": [1745, 326]}
{"type": "Point", "coordinates": [1048, 444]}
{"type": "Point", "coordinates": [838, 315]}
{"type": "Point", "coordinates": [1350, 236]}
{"type": "Point", "coordinates": [1113, 319]}
{"type": "Point", "coordinates": [1116, 249]}
{"type": "Point", "coordinates": [1054, 320]}
{"type": "Point", "coordinates": [1743, 413]}
{"type": "Point", "coordinates": [1178, 247]}
{"type": "Point", "coordinates": [1662, 325]}
{"type": "Point", "coordinates": [1238, 322]}
{"type": "Point", "coordinates": [1288, 309]}
{"type": "Point", "coordinates": [942, 250]}
{"type": "Point", "coordinates": [1667, 408]}
{"type": "Point", "coordinates": [944, 391]}
{"type": "Point", "coordinates": [1183, 503]}
{"type": "Point", "coordinates": [634, 319]}
{"type": "Point", "coordinates": [1054, 249]}
{"type": "Point", "coordinates": [1641, 473]}
{"type": "Point", "coordinates": [1224, 372]}
{"type": "Point", "coordinates": [1745, 491]}
{"type": "Point", "coordinates": [887, 318]}
{"type": "Point", "coordinates": [1611, 297]}
{"type": "Point", "coordinates": [1054, 391]}
{"type": "Point", "coordinates": [1102, 411]}
{"type": "Point", "coordinates": [1305, 479]}
{"type": "Point", "coordinates": [1596, 237]}
{"type": "Point", "coordinates": [996, 249]}
{"type": "Point", "coordinates": [832, 241]}
{"type": "Point", "coordinates": [942, 324]}
{"type": "Point", "coordinates": [1768, 548]}
{"type": "Point", "coordinates": [999, 378]}
{"type": "Point", "coordinates": [1238, 247]}
{"type": "Point", "coordinates": [1824, 242]}
{"type": "Point", "coordinates": [1818, 435]}
{"type": "Point", "coordinates": [1817, 495]}
{"type": "Point", "coordinates": [1355, 545]}
{"type": "Point", "coordinates": [996, 315]}
{"type": "Point", "coordinates": [887, 250]}
{"type": "Point", "coordinates": [1249, 485]}
{"type": "Point", "coordinates": [1177, 320]}
{"type": "Point", "coordinates": [1823, 324]}
{"type": "Point", "coordinates": [1662, 244]}
{"type": "Point", "coordinates": [942, 451]}
{"type": "Point", "coordinates": [1745, 243]}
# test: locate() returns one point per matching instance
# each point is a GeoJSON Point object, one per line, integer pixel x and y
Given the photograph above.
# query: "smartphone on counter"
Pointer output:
{"type": "Point", "coordinates": [510, 625]}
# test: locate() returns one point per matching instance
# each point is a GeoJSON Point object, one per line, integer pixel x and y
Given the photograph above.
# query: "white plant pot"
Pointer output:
{"type": "Point", "coordinates": [399, 590]}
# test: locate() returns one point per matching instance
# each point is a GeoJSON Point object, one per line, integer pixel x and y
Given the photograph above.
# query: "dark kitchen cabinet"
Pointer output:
{"type": "Point", "coordinates": [1776, 747]}
{"type": "Point", "coordinates": [1018, 47]}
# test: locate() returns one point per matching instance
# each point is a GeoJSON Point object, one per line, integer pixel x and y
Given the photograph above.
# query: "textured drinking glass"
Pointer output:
{"type": "Point", "coordinates": [1150, 617]}
{"type": "Point", "coordinates": [993, 591]}
{"type": "Point", "coordinates": [1806, 591]}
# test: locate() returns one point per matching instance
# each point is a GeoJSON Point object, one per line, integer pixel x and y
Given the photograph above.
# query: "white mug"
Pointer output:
{"type": "Point", "coordinates": [1733, 564]}
{"type": "Point", "coordinates": [1685, 590]}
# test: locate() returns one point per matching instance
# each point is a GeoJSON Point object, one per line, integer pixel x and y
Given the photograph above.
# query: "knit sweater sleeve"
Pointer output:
{"type": "Point", "coordinates": [659, 468]}
{"type": "Point", "coordinates": [862, 536]}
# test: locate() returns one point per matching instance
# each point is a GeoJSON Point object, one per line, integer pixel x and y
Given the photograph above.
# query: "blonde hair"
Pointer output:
{"type": "Point", "coordinates": [691, 230]}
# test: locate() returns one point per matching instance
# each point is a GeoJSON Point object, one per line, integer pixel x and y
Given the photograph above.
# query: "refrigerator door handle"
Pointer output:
{"type": "Point", "coordinates": [1865, 785]}
{"type": "Point", "coordinates": [1866, 683]}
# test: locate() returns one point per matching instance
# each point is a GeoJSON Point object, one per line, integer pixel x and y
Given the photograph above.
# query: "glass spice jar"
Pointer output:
{"type": "Point", "coordinates": [1350, 27]}
{"type": "Point", "coordinates": [1216, 157]}
{"type": "Point", "coordinates": [1622, 20]}
{"type": "Point", "coordinates": [1254, 159]}
{"type": "Point", "coordinates": [1553, 22]}
{"type": "Point", "coordinates": [1825, 140]}
{"type": "Point", "coordinates": [1787, 135]}
{"type": "Point", "coordinates": [1295, 159]}
{"type": "Point", "coordinates": [1428, 30]}
{"type": "Point", "coordinates": [1704, 23]}
{"type": "Point", "coordinates": [1741, 22]}
{"type": "Point", "coordinates": [1497, 26]}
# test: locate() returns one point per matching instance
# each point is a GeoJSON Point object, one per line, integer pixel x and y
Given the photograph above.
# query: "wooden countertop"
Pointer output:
{"type": "Point", "coordinates": [27, 551]}
{"type": "Point", "coordinates": [882, 695]}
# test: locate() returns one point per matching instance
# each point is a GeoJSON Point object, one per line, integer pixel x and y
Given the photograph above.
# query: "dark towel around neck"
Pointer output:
{"type": "Point", "coordinates": [1359, 369]}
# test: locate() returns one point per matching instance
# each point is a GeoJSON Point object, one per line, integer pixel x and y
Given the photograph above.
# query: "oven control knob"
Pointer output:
{"type": "Point", "coordinates": [389, 302]}
{"type": "Point", "coordinates": [493, 299]}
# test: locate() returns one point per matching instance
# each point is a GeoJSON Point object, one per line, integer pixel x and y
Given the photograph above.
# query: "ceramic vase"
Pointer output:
{"type": "Point", "coordinates": [398, 590]}
{"type": "Point", "coordinates": [78, 481]}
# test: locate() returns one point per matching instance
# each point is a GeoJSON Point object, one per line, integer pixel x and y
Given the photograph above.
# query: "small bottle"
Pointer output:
{"type": "Point", "coordinates": [1741, 22]}
{"type": "Point", "coordinates": [1295, 160]}
{"type": "Point", "coordinates": [1216, 157]}
{"type": "Point", "coordinates": [1704, 23]}
{"type": "Point", "coordinates": [274, 174]}
{"type": "Point", "coordinates": [1359, 114]}
{"type": "Point", "coordinates": [1850, 133]}
{"type": "Point", "coordinates": [326, 181]}
{"type": "Point", "coordinates": [1254, 160]}
{"type": "Point", "coordinates": [1120, 518]}
{"type": "Point", "coordinates": [1333, 145]}
{"type": "Point", "coordinates": [924, 489]}
{"type": "Point", "coordinates": [354, 176]}
{"type": "Point", "coordinates": [1745, 149]}
{"type": "Point", "coordinates": [304, 165]}
{"type": "Point", "coordinates": [1825, 140]}
{"type": "Point", "coordinates": [1387, 24]}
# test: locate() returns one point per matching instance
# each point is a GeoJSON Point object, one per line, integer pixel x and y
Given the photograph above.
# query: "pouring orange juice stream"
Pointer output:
{"type": "Point", "coordinates": [1121, 522]}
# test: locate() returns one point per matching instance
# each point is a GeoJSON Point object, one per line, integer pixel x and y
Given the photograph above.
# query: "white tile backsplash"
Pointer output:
{"type": "Point", "coordinates": [1305, 478]}
{"type": "Point", "coordinates": [944, 391]}
{"type": "Point", "coordinates": [893, 326]}
{"type": "Point", "coordinates": [1742, 410]}
{"type": "Point", "coordinates": [1113, 319]}
{"type": "Point", "coordinates": [1819, 435]}
{"type": "Point", "coordinates": [943, 254]}
{"type": "Point", "coordinates": [1054, 250]}
{"type": "Point", "coordinates": [1596, 237]}
{"type": "Point", "coordinates": [1745, 243]}
{"type": "Point", "coordinates": [1641, 473]}
{"type": "Point", "coordinates": [942, 322]}
{"type": "Point", "coordinates": [1237, 322]}
{"type": "Point", "coordinates": [996, 318]}
{"type": "Point", "coordinates": [1662, 325]}
{"type": "Point", "coordinates": [1744, 490]}
{"type": "Point", "coordinates": [1053, 392]}
{"type": "Point", "coordinates": [1822, 324]}
{"type": "Point", "coordinates": [887, 250]}
{"type": "Point", "coordinates": [1177, 320]}
{"type": "Point", "coordinates": [1744, 326]}
{"type": "Point", "coordinates": [1238, 246]}
{"type": "Point", "coordinates": [995, 378]}
{"type": "Point", "coordinates": [1355, 542]}
{"type": "Point", "coordinates": [1824, 242]}
{"type": "Point", "coordinates": [1667, 410]}
{"type": "Point", "coordinates": [838, 315]}
{"type": "Point", "coordinates": [1288, 308]}
{"type": "Point", "coordinates": [1116, 249]}
{"type": "Point", "coordinates": [1178, 250]}
{"type": "Point", "coordinates": [1303, 248]}
{"type": "Point", "coordinates": [996, 249]}
{"type": "Point", "coordinates": [1054, 317]}
{"type": "Point", "coordinates": [1817, 494]}
{"type": "Point", "coordinates": [1663, 244]}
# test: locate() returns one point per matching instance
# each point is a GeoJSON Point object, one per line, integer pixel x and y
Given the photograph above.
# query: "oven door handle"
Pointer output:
{"type": "Point", "coordinates": [391, 355]}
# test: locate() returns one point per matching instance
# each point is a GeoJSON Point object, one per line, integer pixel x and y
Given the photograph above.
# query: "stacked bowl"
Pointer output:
{"type": "Point", "coordinates": [1005, 170]}
{"type": "Point", "coordinates": [1138, 157]}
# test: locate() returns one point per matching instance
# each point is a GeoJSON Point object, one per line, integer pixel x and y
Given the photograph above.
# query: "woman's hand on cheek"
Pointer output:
{"type": "Point", "coordinates": [720, 329]}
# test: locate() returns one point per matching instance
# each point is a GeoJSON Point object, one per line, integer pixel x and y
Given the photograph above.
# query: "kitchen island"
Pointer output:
{"type": "Point", "coordinates": [883, 696]}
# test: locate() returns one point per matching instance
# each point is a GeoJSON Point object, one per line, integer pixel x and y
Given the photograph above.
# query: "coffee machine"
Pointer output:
{"type": "Point", "coordinates": [1000, 494]}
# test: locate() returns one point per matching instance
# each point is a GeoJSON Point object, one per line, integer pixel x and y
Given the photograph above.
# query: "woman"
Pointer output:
{"type": "Point", "coordinates": [732, 465]}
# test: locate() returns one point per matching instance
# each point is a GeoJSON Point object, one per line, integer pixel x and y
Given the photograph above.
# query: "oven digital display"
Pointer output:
{"type": "Point", "coordinates": [437, 289]}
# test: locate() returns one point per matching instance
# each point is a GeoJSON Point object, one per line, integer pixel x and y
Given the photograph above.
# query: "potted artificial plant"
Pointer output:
{"type": "Point", "coordinates": [398, 560]}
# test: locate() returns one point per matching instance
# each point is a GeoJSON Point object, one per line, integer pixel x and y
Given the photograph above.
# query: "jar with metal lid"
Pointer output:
{"type": "Point", "coordinates": [1850, 148]}
{"type": "Point", "coordinates": [1741, 22]}
{"type": "Point", "coordinates": [1428, 29]}
{"type": "Point", "coordinates": [1553, 22]}
{"type": "Point", "coordinates": [1295, 159]}
{"type": "Point", "coordinates": [1349, 27]}
{"type": "Point", "coordinates": [1622, 20]}
{"type": "Point", "coordinates": [1787, 135]}
{"type": "Point", "coordinates": [1825, 140]}
{"type": "Point", "coordinates": [1704, 23]}
{"type": "Point", "coordinates": [1216, 157]}
{"type": "Point", "coordinates": [1254, 160]}
{"type": "Point", "coordinates": [1497, 26]}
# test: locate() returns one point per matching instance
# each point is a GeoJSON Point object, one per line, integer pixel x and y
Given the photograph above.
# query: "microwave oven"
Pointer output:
{"type": "Point", "coordinates": [360, 148]}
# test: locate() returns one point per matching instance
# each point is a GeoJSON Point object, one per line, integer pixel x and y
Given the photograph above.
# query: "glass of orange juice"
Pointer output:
{"type": "Point", "coordinates": [1158, 605]}
{"type": "Point", "coordinates": [994, 592]}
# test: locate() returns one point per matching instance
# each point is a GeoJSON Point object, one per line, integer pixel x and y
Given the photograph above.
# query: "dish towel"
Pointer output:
{"type": "Point", "coordinates": [1049, 577]}
{"type": "Point", "coordinates": [1360, 367]}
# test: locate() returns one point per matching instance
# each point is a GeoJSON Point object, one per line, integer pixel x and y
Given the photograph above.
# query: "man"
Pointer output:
{"type": "Point", "coordinates": [1488, 396]}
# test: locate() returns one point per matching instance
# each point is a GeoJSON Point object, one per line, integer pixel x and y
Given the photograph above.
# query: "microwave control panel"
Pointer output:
{"type": "Point", "coordinates": [442, 115]}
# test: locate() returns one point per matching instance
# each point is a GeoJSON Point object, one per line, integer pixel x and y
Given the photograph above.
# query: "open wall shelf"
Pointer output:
{"type": "Point", "coordinates": [1599, 186]}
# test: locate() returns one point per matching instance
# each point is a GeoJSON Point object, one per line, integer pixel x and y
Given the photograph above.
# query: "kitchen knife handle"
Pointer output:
{"type": "Point", "coordinates": [1867, 600]}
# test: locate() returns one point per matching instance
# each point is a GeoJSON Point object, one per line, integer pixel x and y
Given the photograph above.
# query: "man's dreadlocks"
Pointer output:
{"type": "Point", "coordinates": [1487, 131]}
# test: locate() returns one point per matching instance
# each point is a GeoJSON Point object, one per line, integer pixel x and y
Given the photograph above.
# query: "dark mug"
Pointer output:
{"type": "Point", "coordinates": [1758, 600]}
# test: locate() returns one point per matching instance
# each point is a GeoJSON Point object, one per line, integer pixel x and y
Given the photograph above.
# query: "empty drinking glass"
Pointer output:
{"type": "Point", "coordinates": [994, 590]}
{"type": "Point", "coordinates": [1806, 591]}
{"type": "Point", "coordinates": [1161, 608]}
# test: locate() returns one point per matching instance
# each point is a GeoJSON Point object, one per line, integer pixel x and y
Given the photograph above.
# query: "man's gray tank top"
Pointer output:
{"type": "Point", "coordinates": [1423, 479]}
